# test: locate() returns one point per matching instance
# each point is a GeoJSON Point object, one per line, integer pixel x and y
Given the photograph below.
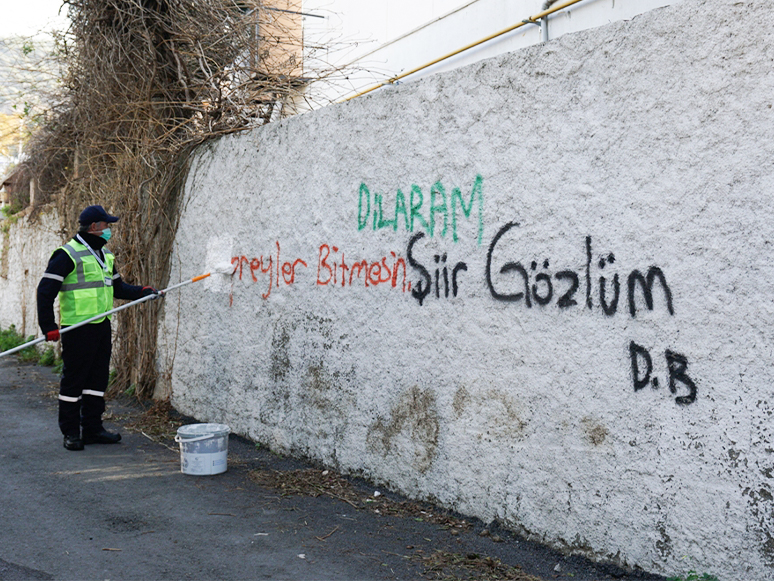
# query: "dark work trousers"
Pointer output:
{"type": "Point", "coordinates": [86, 359]}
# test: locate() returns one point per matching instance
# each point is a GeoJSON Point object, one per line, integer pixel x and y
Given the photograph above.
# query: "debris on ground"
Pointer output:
{"type": "Point", "coordinates": [313, 482]}
{"type": "Point", "coordinates": [438, 565]}
{"type": "Point", "coordinates": [445, 566]}
{"type": "Point", "coordinates": [158, 422]}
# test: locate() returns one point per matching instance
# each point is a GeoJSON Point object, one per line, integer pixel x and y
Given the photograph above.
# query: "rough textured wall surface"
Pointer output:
{"type": "Point", "coordinates": [537, 289]}
{"type": "Point", "coordinates": [25, 247]}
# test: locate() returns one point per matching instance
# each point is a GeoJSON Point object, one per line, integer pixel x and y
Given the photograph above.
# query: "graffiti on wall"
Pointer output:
{"type": "Point", "coordinates": [432, 212]}
{"type": "Point", "coordinates": [525, 282]}
{"type": "Point", "coordinates": [540, 288]}
{"type": "Point", "coordinates": [536, 286]}
{"type": "Point", "coordinates": [268, 267]}
{"type": "Point", "coordinates": [677, 367]}
{"type": "Point", "coordinates": [427, 282]}
{"type": "Point", "coordinates": [274, 271]}
{"type": "Point", "coordinates": [334, 269]}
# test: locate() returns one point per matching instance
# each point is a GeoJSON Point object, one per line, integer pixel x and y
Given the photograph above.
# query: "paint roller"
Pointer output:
{"type": "Point", "coordinates": [110, 312]}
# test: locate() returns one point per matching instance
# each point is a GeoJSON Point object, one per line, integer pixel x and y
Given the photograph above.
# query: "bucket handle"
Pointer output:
{"type": "Point", "coordinates": [178, 439]}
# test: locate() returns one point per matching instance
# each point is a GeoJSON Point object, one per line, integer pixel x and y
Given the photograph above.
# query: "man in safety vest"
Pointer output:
{"type": "Point", "coordinates": [83, 274]}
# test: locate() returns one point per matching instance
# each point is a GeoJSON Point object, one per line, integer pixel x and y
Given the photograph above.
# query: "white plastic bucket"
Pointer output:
{"type": "Point", "coordinates": [203, 448]}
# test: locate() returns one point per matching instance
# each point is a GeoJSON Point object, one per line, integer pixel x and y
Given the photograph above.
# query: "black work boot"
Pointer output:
{"type": "Point", "coordinates": [73, 443]}
{"type": "Point", "coordinates": [101, 437]}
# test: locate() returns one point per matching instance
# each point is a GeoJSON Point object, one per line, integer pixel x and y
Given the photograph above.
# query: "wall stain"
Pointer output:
{"type": "Point", "coordinates": [664, 546]}
{"type": "Point", "coordinates": [461, 401]}
{"type": "Point", "coordinates": [310, 389]}
{"type": "Point", "coordinates": [494, 413]}
{"type": "Point", "coordinates": [319, 331]}
{"type": "Point", "coordinates": [760, 505]}
{"type": "Point", "coordinates": [594, 431]}
{"type": "Point", "coordinates": [328, 390]}
{"type": "Point", "coordinates": [412, 429]}
{"type": "Point", "coordinates": [315, 339]}
{"type": "Point", "coordinates": [330, 393]}
{"type": "Point", "coordinates": [280, 358]}
{"type": "Point", "coordinates": [319, 380]}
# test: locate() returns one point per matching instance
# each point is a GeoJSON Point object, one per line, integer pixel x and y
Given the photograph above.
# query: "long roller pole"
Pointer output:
{"type": "Point", "coordinates": [105, 314]}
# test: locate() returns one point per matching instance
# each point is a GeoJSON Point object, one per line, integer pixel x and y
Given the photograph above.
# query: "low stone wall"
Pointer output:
{"type": "Point", "coordinates": [537, 289]}
{"type": "Point", "coordinates": [26, 245]}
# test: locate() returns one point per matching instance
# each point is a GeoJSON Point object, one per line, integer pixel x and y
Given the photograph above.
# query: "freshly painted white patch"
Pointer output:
{"type": "Point", "coordinates": [218, 262]}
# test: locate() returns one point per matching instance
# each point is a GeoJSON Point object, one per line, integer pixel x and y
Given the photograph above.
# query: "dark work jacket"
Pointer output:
{"type": "Point", "coordinates": [60, 265]}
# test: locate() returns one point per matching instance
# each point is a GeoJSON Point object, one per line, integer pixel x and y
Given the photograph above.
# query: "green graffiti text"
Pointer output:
{"type": "Point", "coordinates": [416, 212]}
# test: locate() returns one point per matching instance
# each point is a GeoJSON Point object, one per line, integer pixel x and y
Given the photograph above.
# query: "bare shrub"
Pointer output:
{"type": "Point", "coordinates": [145, 82]}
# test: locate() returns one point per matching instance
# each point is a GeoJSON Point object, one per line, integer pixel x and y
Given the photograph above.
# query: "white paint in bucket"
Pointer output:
{"type": "Point", "coordinates": [203, 448]}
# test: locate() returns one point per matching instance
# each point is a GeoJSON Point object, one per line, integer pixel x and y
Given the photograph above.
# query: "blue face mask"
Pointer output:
{"type": "Point", "coordinates": [105, 234]}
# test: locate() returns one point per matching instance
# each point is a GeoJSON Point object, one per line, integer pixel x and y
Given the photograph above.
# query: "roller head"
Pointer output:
{"type": "Point", "coordinates": [223, 268]}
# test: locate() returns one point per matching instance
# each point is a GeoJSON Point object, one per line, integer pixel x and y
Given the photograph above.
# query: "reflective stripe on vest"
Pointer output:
{"type": "Point", "coordinates": [84, 293]}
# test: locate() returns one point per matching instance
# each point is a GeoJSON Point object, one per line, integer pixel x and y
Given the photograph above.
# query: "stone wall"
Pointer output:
{"type": "Point", "coordinates": [537, 289]}
{"type": "Point", "coordinates": [25, 246]}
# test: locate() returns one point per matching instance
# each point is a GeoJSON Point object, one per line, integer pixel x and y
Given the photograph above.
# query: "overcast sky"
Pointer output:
{"type": "Point", "coordinates": [26, 17]}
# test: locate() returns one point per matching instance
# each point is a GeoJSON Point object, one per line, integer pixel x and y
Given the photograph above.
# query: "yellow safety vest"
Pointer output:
{"type": "Point", "coordinates": [88, 290]}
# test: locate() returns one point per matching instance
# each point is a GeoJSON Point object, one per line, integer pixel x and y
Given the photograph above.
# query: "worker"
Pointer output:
{"type": "Point", "coordinates": [83, 274]}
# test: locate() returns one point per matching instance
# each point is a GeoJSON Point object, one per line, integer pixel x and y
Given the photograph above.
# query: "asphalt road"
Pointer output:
{"type": "Point", "coordinates": [125, 511]}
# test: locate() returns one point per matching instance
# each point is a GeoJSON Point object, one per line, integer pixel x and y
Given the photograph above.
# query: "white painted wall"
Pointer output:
{"type": "Point", "coordinates": [24, 252]}
{"type": "Point", "coordinates": [375, 41]}
{"type": "Point", "coordinates": [649, 140]}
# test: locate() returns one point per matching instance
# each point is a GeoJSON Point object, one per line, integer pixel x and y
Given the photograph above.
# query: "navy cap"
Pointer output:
{"type": "Point", "coordinates": [95, 214]}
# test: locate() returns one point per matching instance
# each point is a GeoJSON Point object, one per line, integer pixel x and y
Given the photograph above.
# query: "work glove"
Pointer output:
{"type": "Point", "coordinates": [52, 335]}
{"type": "Point", "coordinates": [149, 290]}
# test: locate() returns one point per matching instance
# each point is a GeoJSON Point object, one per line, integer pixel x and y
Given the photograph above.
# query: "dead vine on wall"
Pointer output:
{"type": "Point", "coordinates": [146, 82]}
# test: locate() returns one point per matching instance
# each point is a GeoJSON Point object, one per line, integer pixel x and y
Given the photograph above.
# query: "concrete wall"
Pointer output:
{"type": "Point", "coordinates": [25, 247]}
{"type": "Point", "coordinates": [535, 196]}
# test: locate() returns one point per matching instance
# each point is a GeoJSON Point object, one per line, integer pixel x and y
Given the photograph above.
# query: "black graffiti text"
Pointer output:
{"type": "Point", "coordinates": [531, 282]}
{"type": "Point", "coordinates": [444, 279]}
{"type": "Point", "coordinates": [677, 368]}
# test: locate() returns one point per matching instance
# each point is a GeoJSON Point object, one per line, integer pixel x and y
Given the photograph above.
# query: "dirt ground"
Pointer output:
{"type": "Point", "coordinates": [323, 525]}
